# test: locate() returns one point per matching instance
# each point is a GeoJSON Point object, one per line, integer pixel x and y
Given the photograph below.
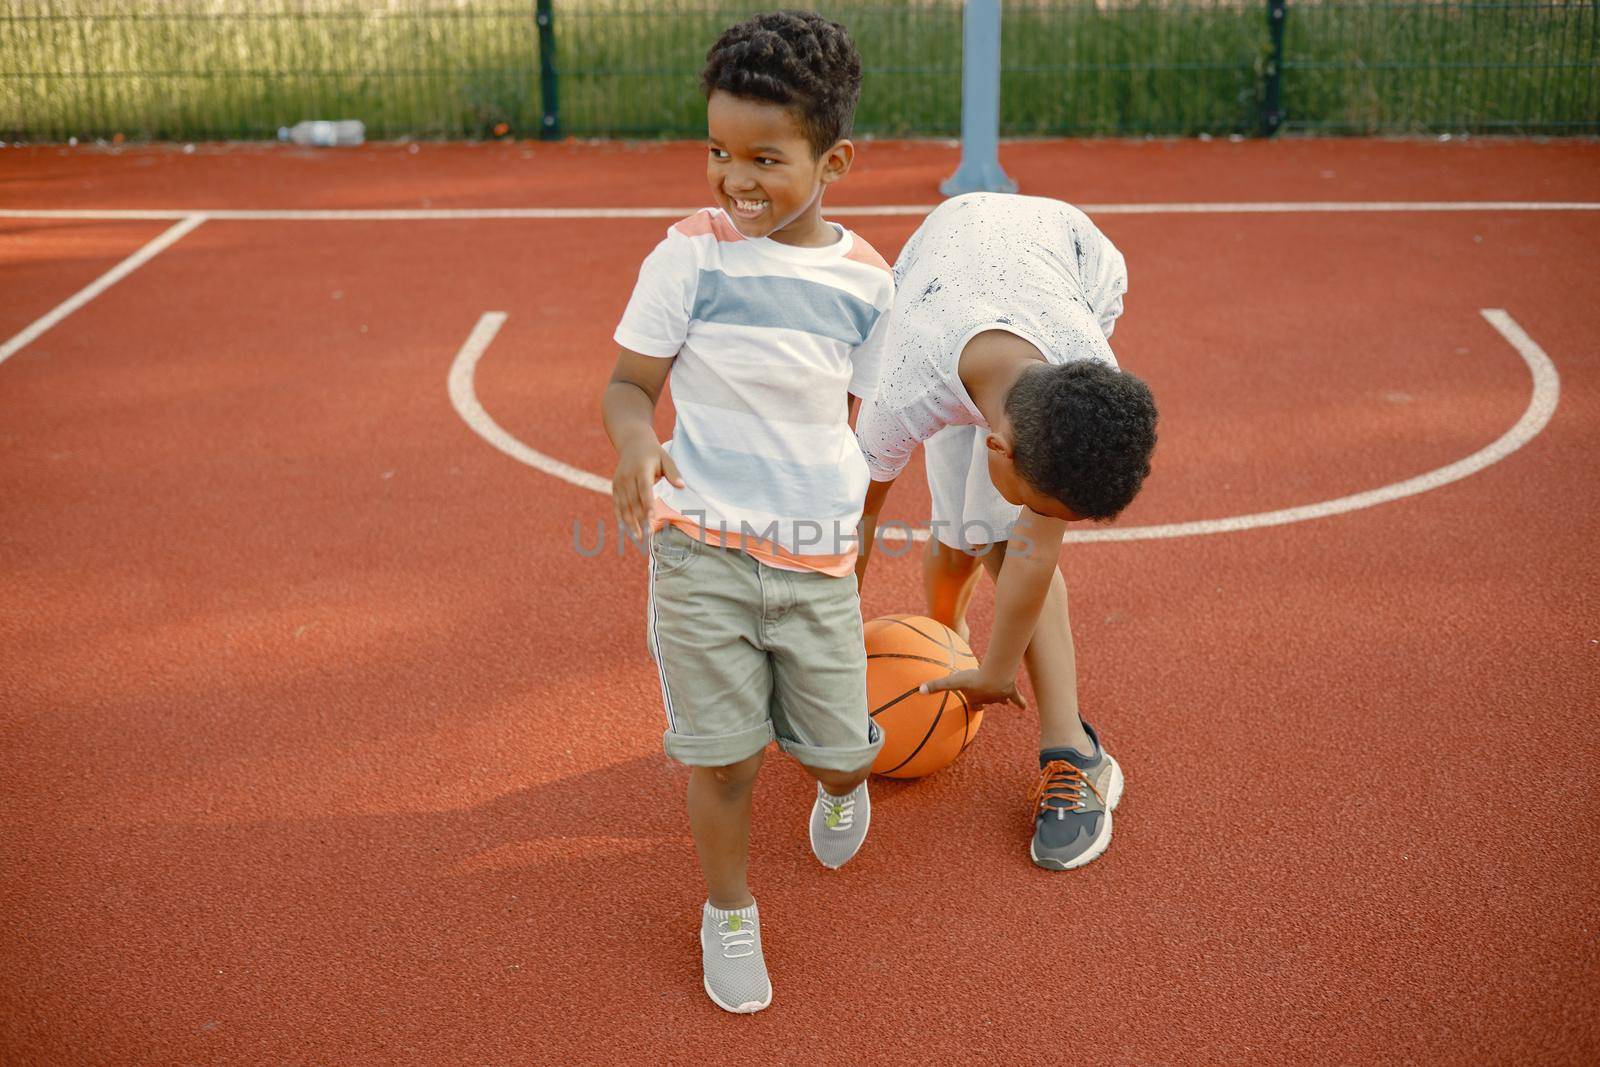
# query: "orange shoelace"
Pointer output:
{"type": "Point", "coordinates": [1060, 780]}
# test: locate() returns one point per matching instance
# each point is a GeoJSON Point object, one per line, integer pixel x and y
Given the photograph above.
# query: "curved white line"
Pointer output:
{"type": "Point", "coordinates": [1541, 406]}
{"type": "Point", "coordinates": [465, 400]}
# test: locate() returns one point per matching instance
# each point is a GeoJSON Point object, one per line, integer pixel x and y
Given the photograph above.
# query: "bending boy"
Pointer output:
{"type": "Point", "coordinates": [995, 354]}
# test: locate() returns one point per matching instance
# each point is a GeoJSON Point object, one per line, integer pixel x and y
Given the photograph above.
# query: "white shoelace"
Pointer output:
{"type": "Point", "coordinates": [744, 937]}
{"type": "Point", "coordinates": [844, 809]}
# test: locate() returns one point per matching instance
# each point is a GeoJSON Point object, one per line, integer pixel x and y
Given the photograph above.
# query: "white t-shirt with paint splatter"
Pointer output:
{"type": "Point", "coordinates": [1028, 265]}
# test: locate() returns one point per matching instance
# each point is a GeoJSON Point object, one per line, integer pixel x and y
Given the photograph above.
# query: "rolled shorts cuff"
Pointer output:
{"type": "Point", "coordinates": [718, 751]}
{"type": "Point", "coordinates": [835, 759]}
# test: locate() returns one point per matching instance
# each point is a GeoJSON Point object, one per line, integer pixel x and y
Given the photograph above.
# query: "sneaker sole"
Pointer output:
{"type": "Point", "coordinates": [747, 1007]}
{"type": "Point", "coordinates": [811, 832]}
{"type": "Point", "coordinates": [1114, 790]}
{"type": "Point", "coordinates": [1101, 841]}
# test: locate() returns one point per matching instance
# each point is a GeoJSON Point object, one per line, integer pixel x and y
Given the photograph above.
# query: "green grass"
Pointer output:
{"type": "Point", "coordinates": [633, 68]}
{"type": "Point", "coordinates": [1145, 68]}
{"type": "Point", "coordinates": [226, 68]}
{"type": "Point", "coordinates": [182, 69]}
{"type": "Point", "coordinates": [1419, 68]}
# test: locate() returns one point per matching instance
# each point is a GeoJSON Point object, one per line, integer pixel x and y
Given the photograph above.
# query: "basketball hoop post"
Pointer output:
{"type": "Point", "coordinates": [980, 104]}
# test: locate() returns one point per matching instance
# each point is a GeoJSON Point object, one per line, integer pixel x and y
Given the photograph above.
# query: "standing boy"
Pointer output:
{"type": "Point", "coordinates": [996, 355]}
{"type": "Point", "coordinates": [760, 310]}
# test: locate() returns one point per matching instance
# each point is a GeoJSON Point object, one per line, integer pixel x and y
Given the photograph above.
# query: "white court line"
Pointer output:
{"type": "Point", "coordinates": [448, 214]}
{"type": "Point", "coordinates": [100, 285]}
{"type": "Point", "coordinates": [1541, 405]}
{"type": "Point", "coordinates": [465, 400]}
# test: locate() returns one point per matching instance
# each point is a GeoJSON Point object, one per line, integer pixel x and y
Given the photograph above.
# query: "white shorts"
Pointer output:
{"type": "Point", "coordinates": [968, 511]}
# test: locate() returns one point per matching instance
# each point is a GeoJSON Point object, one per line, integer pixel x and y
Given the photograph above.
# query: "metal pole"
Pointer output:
{"type": "Point", "coordinates": [980, 104]}
{"type": "Point", "coordinates": [1272, 98]}
{"type": "Point", "coordinates": [550, 124]}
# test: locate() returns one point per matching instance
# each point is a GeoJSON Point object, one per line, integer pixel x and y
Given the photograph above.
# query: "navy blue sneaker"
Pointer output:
{"type": "Point", "coordinates": [1073, 800]}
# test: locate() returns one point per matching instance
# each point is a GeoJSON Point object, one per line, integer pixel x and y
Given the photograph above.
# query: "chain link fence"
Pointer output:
{"type": "Point", "coordinates": [188, 69]}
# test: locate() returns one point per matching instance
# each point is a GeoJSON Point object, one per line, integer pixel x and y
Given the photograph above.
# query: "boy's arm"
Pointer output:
{"type": "Point", "coordinates": [887, 446]}
{"type": "Point", "coordinates": [876, 493]}
{"type": "Point", "coordinates": [1019, 595]}
{"type": "Point", "coordinates": [628, 407]}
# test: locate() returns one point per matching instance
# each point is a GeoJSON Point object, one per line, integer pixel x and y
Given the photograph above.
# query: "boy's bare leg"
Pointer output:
{"type": "Point", "coordinates": [719, 818]}
{"type": "Point", "coordinates": [949, 576]}
{"type": "Point", "coordinates": [1052, 666]}
{"type": "Point", "coordinates": [839, 783]}
{"type": "Point", "coordinates": [841, 814]}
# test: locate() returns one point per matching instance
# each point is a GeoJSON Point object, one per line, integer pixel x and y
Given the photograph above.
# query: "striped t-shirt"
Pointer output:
{"type": "Point", "coordinates": [769, 339]}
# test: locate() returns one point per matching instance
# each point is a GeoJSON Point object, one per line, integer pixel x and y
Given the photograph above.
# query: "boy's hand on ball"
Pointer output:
{"type": "Point", "coordinates": [633, 485]}
{"type": "Point", "coordinates": [979, 691]}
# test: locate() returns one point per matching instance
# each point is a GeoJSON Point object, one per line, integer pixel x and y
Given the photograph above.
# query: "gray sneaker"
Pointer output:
{"type": "Point", "coordinates": [1073, 800]}
{"type": "Point", "coordinates": [730, 951]}
{"type": "Point", "coordinates": [839, 824]}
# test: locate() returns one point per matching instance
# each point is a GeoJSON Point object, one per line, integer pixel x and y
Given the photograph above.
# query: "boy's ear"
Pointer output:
{"type": "Point", "coordinates": [836, 161]}
{"type": "Point", "coordinates": [996, 443]}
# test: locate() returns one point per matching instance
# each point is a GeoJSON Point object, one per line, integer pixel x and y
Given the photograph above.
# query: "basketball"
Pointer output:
{"type": "Point", "coordinates": [922, 732]}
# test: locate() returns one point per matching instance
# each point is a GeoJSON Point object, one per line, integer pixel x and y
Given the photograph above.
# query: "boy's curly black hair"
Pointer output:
{"type": "Point", "coordinates": [1082, 434]}
{"type": "Point", "coordinates": [795, 58]}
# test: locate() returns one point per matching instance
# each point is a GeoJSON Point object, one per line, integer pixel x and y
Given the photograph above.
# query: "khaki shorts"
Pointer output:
{"type": "Point", "coordinates": [750, 654]}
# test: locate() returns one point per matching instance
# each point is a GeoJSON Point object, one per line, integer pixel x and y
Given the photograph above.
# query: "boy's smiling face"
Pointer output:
{"type": "Point", "coordinates": [763, 173]}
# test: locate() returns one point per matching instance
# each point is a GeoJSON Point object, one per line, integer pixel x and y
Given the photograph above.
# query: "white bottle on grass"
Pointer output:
{"type": "Point", "coordinates": [321, 133]}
